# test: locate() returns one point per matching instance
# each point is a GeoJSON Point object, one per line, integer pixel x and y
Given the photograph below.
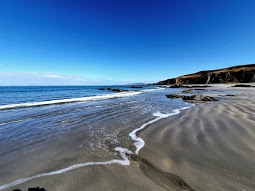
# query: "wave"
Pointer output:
{"type": "Point", "coordinates": [149, 90]}
{"type": "Point", "coordinates": [82, 99]}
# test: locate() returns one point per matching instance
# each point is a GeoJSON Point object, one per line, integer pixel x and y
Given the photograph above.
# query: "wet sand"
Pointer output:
{"type": "Point", "coordinates": [207, 147]}
{"type": "Point", "coordinates": [211, 146]}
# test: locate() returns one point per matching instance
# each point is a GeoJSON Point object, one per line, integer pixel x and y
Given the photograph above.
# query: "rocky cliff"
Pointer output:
{"type": "Point", "coordinates": [235, 74]}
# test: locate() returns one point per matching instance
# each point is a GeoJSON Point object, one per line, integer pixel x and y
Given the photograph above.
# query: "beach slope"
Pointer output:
{"type": "Point", "coordinates": [211, 146]}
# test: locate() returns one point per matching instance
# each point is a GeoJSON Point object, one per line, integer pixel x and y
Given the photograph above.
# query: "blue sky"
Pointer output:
{"type": "Point", "coordinates": [115, 42]}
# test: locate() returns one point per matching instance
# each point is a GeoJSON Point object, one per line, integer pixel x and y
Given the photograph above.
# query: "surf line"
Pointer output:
{"type": "Point", "coordinates": [139, 144]}
{"type": "Point", "coordinates": [71, 100]}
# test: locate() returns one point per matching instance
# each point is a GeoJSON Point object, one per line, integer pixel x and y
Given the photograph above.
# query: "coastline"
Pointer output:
{"type": "Point", "coordinates": [211, 145]}
{"type": "Point", "coordinates": [125, 154]}
{"type": "Point", "coordinates": [194, 150]}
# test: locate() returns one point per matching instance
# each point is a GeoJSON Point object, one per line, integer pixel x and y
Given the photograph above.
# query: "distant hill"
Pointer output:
{"type": "Point", "coordinates": [234, 74]}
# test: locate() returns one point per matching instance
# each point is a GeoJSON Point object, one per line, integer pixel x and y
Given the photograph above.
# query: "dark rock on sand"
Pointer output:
{"type": "Point", "coordinates": [198, 97]}
{"type": "Point", "coordinates": [109, 88]}
{"type": "Point", "coordinates": [32, 189]}
{"type": "Point", "coordinates": [36, 189]}
{"type": "Point", "coordinates": [136, 87]}
{"type": "Point", "coordinates": [179, 86]}
{"type": "Point", "coordinates": [101, 88]}
{"type": "Point", "coordinates": [243, 85]}
{"type": "Point", "coordinates": [200, 86]}
{"type": "Point", "coordinates": [182, 86]}
{"type": "Point", "coordinates": [190, 90]}
{"type": "Point", "coordinates": [174, 96]}
{"type": "Point", "coordinates": [186, 91]}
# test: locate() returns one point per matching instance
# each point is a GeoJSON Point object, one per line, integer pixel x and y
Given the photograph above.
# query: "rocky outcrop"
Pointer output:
{"type": "Point", "coordinates": [174, 96]}
{"type": "Point", "coordinates": [186, 91]}
{"type": "Point", "coordinates": [114, 90]}
{"type": "Point", "coordinates": [179, 86]}
{"type": "Point", "coordinates": [182, 86]}
{"type": "Point", "coordinates": [199, 97]}
{"type": "Point", "coordinates": [193, 98]}
{"type": "Point", "coordinates": [136, 87]}
{"type": "Point", "coordinates": [32, 189]}
{"type": "Point", "coordinates": [242, 86]}
{"type": "Point", "coordinates": [235, 74]}
{"type": "Point", "coordinates": [119, 90]}
{"type": "Point", "coordinates": [191, 90]}
{"type": "Point", "coordinates": [200, 86]}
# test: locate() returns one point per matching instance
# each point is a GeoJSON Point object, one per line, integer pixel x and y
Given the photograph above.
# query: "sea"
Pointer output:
{"type": "Point", "coordinates": [72, 127]}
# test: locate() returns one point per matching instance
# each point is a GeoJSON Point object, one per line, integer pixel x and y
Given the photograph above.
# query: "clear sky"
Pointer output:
{"type": "Point", "coordinates": [117, 41]}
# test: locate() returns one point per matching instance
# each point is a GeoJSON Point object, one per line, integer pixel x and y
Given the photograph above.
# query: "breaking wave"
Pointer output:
{"type": "Point", "coordinates": [61, 101]}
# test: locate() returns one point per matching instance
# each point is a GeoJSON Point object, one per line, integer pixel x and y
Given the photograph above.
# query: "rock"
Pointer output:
{"type": "Point", "coordinates": [242, 85]}
{"type": "Point", "coordinates": [190, 90]}
{"type": "Point", "coordinates": [195, 98]}
{"type": "Point", "coordinates": [32, 189]}
{"type": "Point", "coordinates": [118, 90]}
{"type": "Point", "coordinates": [114, 90]}
{"type": "Point", "coordinates": [198, 97]}
{"type": "Point", "coordinates": [227, 95]}
{"type": "Point", "coordinates": [179, 86]}
{"type": "Point", "coordinates": [186, 91]}
{"type": "Point", "coordinates": [36, 189]}
{"type": "Point", "coordinates": [136, 87]}
{"type": "Point", "coordinates": [174, 96]}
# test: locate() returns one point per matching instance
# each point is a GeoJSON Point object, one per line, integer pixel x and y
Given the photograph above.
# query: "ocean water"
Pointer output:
{"type": "Point", "coordinates": [27, 94]}
{"type": "Point", "coordinates": [82, 123]}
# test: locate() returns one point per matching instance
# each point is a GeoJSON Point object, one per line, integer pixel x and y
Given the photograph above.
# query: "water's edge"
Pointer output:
{"type": "Point", "coordinates": [123, 152]}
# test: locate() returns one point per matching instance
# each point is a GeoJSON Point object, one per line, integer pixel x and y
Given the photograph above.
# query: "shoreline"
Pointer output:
{"type": "Point", "coordinates": [123, 152]}
{"type": "Point", "coordinates": [211, 145]}
{"type": "Point", "coordinates": [206, 147]}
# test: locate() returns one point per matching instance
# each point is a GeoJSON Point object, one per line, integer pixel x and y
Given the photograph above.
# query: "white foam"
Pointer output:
{"type": "Point", "coordinates": [139, 144]}
{"type": "Point", "coordinates": [149, 90]}
{"type": "Point", "coordinates": [99, 97]}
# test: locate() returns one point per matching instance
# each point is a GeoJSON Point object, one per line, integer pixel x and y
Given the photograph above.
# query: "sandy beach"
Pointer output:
{"type": "Point", "coordinates": [211, 146]}
{"type": "Point", "coordinates": [207, 147]}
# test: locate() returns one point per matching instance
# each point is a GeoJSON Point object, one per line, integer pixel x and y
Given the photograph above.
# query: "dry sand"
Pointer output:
{"type": "Point", "coordinates": [205, 148]}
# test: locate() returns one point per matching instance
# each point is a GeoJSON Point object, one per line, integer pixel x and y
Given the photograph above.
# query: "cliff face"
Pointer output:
{"type": "Point", "coordinates": [235, 74]}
